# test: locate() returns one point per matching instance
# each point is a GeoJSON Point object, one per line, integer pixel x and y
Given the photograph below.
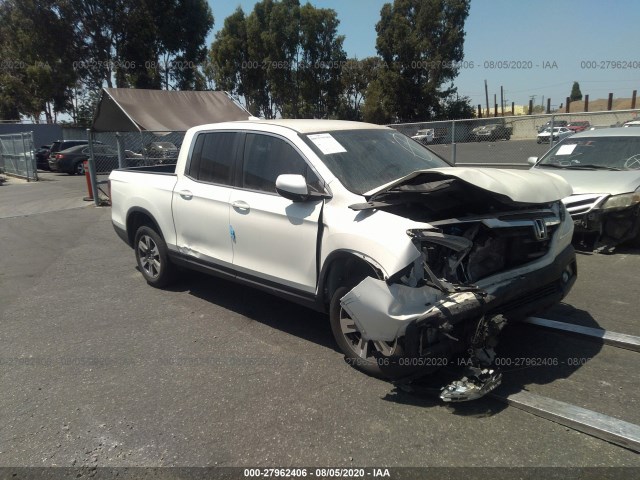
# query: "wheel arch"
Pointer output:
{"type": "Point", "coordinates": [345, 268]}
{"type": "Point", "coordinates": [136, 218]}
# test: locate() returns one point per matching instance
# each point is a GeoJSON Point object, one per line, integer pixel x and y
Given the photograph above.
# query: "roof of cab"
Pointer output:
{"type": "Point", "coordinates": [609, 132]}
{"type": "Point", "coordinates": [315, 125]}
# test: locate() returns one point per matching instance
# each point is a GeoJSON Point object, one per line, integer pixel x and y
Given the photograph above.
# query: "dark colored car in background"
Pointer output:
{"type": "Point", "coordinates": [60, 145]}
{"type": "Point", "coordinates": [72, 159]}
{"type": "Point", "coordinates": [493, 131]}
{"type": "Point", "coordinates": [161, 152]}
{"type": "Point", "coordinates": [42, 157]}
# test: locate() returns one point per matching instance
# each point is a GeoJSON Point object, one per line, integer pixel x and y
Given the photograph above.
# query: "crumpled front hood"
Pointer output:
{"type": "Point", "coordinates": [600, 181]}
{"type": "Point", "coordinates": [521, 186]}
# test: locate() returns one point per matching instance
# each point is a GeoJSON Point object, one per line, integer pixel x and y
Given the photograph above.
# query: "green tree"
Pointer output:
{"type": "Point", "coordinates": [257, 84]}
{"type": "Point", "coordinates": [183, 26]}
{"type": "Point", "coordinates": [321, 59]}
{"type": "Point", "coordinates": [282, 59]}
{"type": "Point", "coordinates": [376, 106]}
{"type": "Point", "coordinates": [37, 53]}
{"type": "Point", "coordinates": [455, 107]}
{"type": "Point", "coordinates": [421, 43]}
{"type": "Point", "coordinates": [283, 41]}
{"type": "Point", "coordinates": [356, 76]}
{"type": "Point", "coordinates": [227, 65]}
{"type": "Point", "coordinates": [147, 43]}
{"type": "Point", "coordinates": [576, 94]}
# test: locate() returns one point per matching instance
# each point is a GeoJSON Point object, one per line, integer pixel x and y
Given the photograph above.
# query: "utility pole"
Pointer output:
{"type": "Point", "coordinates": [486, 94]}
{"type": "Point", "coordinates": [502, 100]}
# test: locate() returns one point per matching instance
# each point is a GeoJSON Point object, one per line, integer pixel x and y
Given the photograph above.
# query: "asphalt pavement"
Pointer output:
{"type": "Point", "coordinates": [99, 369]}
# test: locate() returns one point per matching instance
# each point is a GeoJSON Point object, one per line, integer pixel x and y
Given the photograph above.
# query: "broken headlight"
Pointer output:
{"type": "Point", "coordinates": [622, 201]}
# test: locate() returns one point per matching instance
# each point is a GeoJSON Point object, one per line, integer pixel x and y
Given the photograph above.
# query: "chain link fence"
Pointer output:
{"type": "Point", "coordinates": [507, 141]}
{"type": "Point", "coordinates": [17, 156]}
{"type": "Point", "coordinates": [111, 150]}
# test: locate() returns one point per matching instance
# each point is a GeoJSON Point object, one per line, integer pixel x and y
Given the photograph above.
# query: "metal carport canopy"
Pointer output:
{"type": "Point", "coordinates": [135, 110]}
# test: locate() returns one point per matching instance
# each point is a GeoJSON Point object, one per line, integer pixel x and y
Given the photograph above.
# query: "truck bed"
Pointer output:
{"type": "Point", "coordinates": [168, 169]}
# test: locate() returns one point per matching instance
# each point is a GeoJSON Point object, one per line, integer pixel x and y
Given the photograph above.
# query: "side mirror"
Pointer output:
{"type": "Point", "coordinates": [293, 187]}
{"type": "Point", "coordinates": [532, 160]}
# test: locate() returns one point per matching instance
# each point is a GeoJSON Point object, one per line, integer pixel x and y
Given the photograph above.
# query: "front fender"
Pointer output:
{"type": "Point", "coordinates": [378, 237]}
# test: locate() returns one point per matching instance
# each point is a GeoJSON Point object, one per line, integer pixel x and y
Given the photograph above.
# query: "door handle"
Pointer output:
{"type": "Point", "coordinates": [186, 194]}
{"type": "Point", "coordinates": [240, 205]}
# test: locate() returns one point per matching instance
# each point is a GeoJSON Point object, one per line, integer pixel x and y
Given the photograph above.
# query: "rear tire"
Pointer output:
{"type": "Point", "coordinates": [78, 169]}
{"type": "Point", "coordinates": [152, 257]}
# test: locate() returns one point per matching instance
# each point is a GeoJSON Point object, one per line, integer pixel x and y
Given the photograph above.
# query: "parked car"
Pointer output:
{"type": "Point", "coordinates": [492, 132]}
{"type": "Point", "coordinates": [60, 145]}
{"type": "Point", "coordinates": [424, 136]}
{"type": "Point", "coordinates": [578, 126]}
{"type": "Point", "coordinates": [632, 123]}
{"type": "Point", "coordinates": [603, 167]}
{"type": "Point", "coordinates": [161, 152]}
{"type": "Point", "coordinates": [411, 258]}
{"type": "Point", "coordinates": [42, 157]}
{"type": "Point", "coordinates": [72, 160]}
{"type": "Point", "coordinates": [558, 134]}
{"type": "Point", "coordinates": [556, 123]}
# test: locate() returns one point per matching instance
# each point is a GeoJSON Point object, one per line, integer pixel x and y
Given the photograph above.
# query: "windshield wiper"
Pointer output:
{"type": "Point", "coordinates": [592, 167]}
{"type": "Point", "coordinates": [551, 165]}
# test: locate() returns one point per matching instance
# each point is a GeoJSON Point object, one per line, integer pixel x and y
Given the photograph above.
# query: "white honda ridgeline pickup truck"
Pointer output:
{"type": "Point", "coordinates": [415, 261]}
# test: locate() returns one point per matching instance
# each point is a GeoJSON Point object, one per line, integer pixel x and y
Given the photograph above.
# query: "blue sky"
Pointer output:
{"type": "Point", "coordinates": [559, 34]}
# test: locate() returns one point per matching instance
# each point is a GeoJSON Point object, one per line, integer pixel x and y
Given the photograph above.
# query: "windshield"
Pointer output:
{"type": "Point", "coordinates": [611, 153]}
{"type": "Point", "coordinates": [365, 159]}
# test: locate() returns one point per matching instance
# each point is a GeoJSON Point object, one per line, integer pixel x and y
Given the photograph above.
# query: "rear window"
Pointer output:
{"type": "Point", "coordinates": [58, 146]}
{"type": "Point", "coordinates": [213, 157]}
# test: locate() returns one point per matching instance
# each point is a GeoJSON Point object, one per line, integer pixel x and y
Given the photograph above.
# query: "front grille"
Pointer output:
{"type": "Point", "coordinates": [497, 245]}
{"type": "Point", "coordinates": [580, 204]}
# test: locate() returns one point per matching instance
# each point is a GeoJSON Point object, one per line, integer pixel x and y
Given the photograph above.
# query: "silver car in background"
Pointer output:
{"type": "Point", "coordinates": [603, 167]}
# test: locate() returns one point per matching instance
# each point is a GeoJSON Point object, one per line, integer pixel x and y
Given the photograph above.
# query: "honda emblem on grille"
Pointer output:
{"type": "Point", "coordinates": [540, 229]}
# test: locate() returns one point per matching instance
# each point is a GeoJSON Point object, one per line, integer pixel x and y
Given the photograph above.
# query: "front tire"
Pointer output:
{"type": "Point", "coordinates": [379, 359]}
{"type": "Point", "coordinates": [152, 257]}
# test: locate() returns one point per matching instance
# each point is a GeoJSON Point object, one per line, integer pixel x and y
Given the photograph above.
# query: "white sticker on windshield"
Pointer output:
{"type": "Point", "coordinates": [566, 149]}
{"type": "Point", "coordinates": [326, 143]}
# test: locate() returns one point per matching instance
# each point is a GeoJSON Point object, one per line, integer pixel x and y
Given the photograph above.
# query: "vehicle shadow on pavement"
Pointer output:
{"type": "Point", "coordinates": [272, 311]}
{"type": "Point", "coordinates": [526, 356]}
{"type": "Point", "coordinates": [425, 393]}
{"type": "Point", "coordinates": [624, 249]}
{"type": "Point", "coordinates": [529, 355]}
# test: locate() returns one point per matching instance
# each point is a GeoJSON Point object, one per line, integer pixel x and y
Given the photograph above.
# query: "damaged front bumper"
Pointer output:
{"type": "Point", "coordinates": [425, 323]}
{"type": "Point", "coordinates": [607, 228]}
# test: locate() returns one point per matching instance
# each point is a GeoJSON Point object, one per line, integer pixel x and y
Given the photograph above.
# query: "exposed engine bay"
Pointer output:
{"type": "Point", "coordinates": [434, 308]}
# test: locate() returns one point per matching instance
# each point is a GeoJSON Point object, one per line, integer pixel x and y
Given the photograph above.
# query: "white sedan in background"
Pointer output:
{"type": "Point", "coordinates": [424, 136]}
{"type": "Point", "coordinates": [558, 134]}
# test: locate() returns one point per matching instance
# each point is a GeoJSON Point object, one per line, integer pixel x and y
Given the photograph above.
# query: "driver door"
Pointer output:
{"type": "Point", "coordinates": [274, 239]}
